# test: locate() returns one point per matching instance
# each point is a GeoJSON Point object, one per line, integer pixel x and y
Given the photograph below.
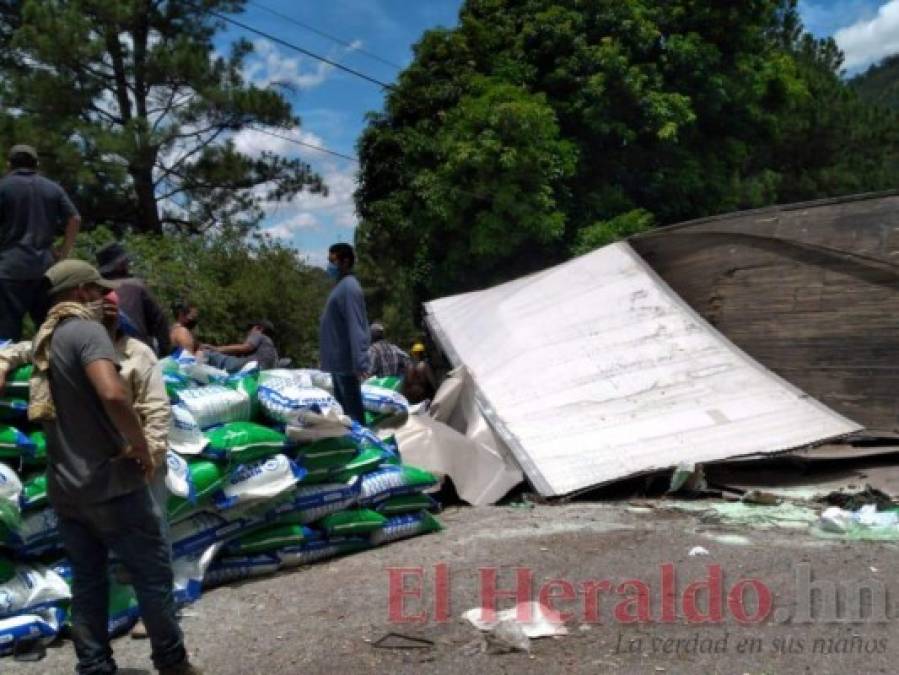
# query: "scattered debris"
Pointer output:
{"type": "Point", "coordinates": [866, 523]}
{"type": "Point", "coordinates": [639, 509]}
{"type": "Point", "coordinates": [535, 619]}
{"type": "Point", "coordinates": [400, 641]}
{"type": "Point", "coordinates": [787, 515]}
{"type": "Point", "coordinates": [688, 478]}
{"type": "Point", "coordinates": [476, 646]}
{"type": "Point", "coordinates": [855, 501]}
{"type": "Point", "coordinates": [835, 520]}
{"type": "Point", "coordinates": [730, 539]}
{"type": "Point", "coordinates": [761, 498]}
{"type": "Point", "coordinates": [507, 636]}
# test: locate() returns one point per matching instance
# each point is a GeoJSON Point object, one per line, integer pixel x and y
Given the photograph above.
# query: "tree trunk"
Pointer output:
{"type": "Point", "coordinates": [147, 209]}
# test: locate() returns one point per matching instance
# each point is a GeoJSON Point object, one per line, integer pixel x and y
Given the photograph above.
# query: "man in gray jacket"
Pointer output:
{"type": "Point", "coordinates": [344, 333]}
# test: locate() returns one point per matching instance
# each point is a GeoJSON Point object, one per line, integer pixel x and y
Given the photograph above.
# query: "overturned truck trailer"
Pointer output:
{"type": "Point", "coordinates": [808, 290]}
{"type": "Point", "coordinates": [742, 335]}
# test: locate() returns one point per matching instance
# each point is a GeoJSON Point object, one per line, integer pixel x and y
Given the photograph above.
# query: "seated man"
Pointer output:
{"type": "Point", "coordinates": [258, 347]}
{"type": "Point", "coordinates": [182, 335]}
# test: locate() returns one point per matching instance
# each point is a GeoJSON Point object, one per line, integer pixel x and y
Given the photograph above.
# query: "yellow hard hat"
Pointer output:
{"type": "Point", "coordinates": [418, 347]}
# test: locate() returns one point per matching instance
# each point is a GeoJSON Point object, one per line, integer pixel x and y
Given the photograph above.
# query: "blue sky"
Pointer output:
{"type": "Point", "coordinates": [333, 104]}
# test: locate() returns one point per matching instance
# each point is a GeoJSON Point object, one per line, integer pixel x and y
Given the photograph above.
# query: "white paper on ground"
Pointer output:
{"type": "Point", "coordinates": [536, 620]}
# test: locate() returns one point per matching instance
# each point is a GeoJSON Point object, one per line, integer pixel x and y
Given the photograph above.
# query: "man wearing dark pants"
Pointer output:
{"type": "Point", "coordinates": [344, 333]}
{"type": "Point", "coordinates": [99, 465]}
{"type": "Point", "coordinates": [32, 211]}
{"type": "Point", "coordinates": [258, 346]}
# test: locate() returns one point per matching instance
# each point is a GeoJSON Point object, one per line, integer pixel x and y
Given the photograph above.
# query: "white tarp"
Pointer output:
{"type": "Point", "coordinates": [595, 370]}
{"type": "Point", "coordinates": [479, 473]}
{"type": "Point", "coordinates": [455, 440]}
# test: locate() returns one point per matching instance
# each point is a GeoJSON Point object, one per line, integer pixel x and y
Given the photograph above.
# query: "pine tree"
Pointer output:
{"type": "Point", "coordinates": [132, 107]}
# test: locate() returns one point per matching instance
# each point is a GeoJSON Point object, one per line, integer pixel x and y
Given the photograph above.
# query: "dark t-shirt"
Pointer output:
{"type": "Point", "coordinates": [82, 442]}
{"type": "Point", "coordinates": [144, 314]}
{"type": "Point", "coordinates": [32, 211]}
{"type": "Point", "coordinates": [264, 351]}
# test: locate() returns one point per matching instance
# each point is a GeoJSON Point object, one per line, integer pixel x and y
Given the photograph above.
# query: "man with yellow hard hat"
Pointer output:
{"type": "Point", "coordinates": [420, 384]}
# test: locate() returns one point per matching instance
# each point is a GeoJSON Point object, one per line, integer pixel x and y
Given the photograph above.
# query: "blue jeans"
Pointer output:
{"type": "Point", "coordinates": [160, 494]}
{"type": "Point", "coordinates": [348, 392]}
{"type": "Point", "coordinates": [127, 526]}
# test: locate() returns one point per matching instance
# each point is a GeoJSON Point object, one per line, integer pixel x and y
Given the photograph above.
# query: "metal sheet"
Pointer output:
{"type": "Point", "coordinates": [809, 290]}
{"type": "Point", "coordinates": [594, 370]}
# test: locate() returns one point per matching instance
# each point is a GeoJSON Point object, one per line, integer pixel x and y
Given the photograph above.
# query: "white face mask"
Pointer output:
{"type": "Point", "coordinates": [96, 309]}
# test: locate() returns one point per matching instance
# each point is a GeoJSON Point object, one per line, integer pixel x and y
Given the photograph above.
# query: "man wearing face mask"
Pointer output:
{"type": "Point", "coordinates": [344, 333]}
{"type": "Point", "coordinates": [99, 463]}
{"type": "Point", "coordinates": [140, 314]}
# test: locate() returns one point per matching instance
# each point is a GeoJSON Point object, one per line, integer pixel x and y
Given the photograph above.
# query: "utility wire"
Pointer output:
{"type": "Point", "coordinates": [290, 45]}
{"type": "Point", "coordinates": [319, 148]}
{"type": "Point", "coordinates": [321, 33]}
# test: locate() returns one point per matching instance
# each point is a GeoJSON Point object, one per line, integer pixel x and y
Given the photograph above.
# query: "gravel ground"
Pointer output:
{"type": "Point", "coordinates": [325, 618]}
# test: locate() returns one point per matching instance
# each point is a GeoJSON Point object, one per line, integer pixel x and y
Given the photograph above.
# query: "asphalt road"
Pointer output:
{"type": "Point", "coordinates": [326, 618]}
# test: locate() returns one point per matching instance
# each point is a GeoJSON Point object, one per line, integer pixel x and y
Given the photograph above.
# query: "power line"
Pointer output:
{"type": "Point", "coordinates": [319, 148]}
{"type": "Point", "coordinates": [321, 33]}
{"type": "Point", "coordinates": [290, 45]}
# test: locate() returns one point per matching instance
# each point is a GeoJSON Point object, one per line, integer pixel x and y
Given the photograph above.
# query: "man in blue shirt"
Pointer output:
{"type": "Point", "coordinates": [344, 333]}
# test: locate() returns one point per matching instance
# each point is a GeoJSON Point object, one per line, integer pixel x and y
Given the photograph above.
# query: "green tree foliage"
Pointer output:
{"type": "Point", "coordinates": [879, 85]}
{"type": "Point", "coordinates": [541, 128]}
{"type": "Point", "coordinates": [131, 108]}
{"type": "Point", "coordinates": [232, 282]}
{"type": "Point", "coordinates": [606, 232]}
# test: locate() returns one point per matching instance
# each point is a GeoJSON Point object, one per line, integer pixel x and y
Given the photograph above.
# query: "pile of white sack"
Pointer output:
{"type": "Point", "coordinates": [264, 473]}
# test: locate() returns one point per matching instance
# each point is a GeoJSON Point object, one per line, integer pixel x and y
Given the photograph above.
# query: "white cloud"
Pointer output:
{"type": "Point", "coordinates": [287, 228]}
{"type": "Point", "coordinates": [269, 67]}
{"type": "Point", "coordinates": [253, 142]}
{"type": "Point", "coordinates": [279, 232]}
{"type": "Point", "coordinates": [307, 216]}
{"type": "Point", "coordinates": [306, 211]}
{"type": "Point", "coordinates": [338, 207]}
{"type": "Point", "coordinates": [870, 40]}
{"type": "Point", "coordinates": [316, 257]}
